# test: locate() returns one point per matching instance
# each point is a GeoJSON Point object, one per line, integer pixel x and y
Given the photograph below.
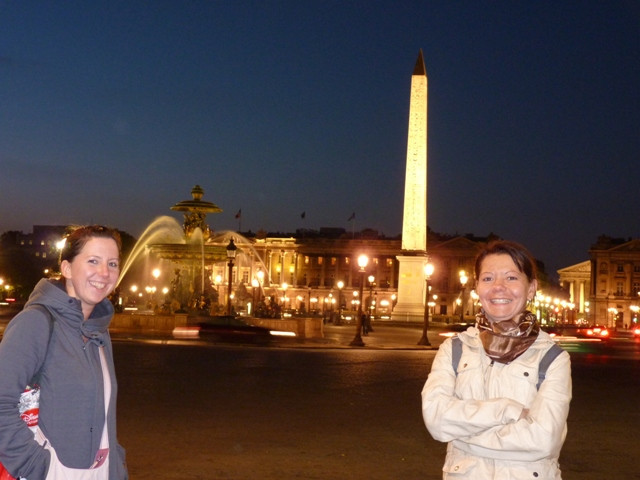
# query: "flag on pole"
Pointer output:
{"type": "Point", "coordinates": [303, 214]}
{"type": "Point", "coordinates": [239, 214]}
{"type": "Point", "coordinates": [352, 217]}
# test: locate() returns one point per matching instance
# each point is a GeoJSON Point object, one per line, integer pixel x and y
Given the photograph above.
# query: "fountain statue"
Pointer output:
{"type": "Point", "coordinates": [191, 260]}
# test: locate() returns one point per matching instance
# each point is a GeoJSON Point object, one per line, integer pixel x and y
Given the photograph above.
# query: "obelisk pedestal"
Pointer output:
{"type": "Point", "coordinates": [411, 281]}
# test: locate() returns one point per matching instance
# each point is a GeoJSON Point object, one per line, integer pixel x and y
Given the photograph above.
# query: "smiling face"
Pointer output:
{"type": "Point", "coordinates": [92, 274]}
{"type": "Point", "coordinates": [503, 289]}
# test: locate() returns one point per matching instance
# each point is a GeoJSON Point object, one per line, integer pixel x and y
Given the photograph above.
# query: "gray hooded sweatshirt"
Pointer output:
{"type": "Point", "coordinates": [66, 354]}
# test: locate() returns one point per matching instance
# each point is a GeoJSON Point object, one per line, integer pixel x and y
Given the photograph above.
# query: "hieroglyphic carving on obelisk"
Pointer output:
{"type": "Point", "coordinates": [414, 223]}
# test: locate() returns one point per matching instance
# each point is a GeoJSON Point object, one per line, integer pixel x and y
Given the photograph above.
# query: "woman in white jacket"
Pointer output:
{"type": "Point", "coordinates": [499, 421]}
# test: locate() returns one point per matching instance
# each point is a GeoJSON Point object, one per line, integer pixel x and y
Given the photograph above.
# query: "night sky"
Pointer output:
{"type": "Point", "coordinates": [111, 111]}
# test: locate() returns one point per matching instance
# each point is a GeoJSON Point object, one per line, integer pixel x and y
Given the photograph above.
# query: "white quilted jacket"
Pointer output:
{"type": "Point", "coordinates": [477, 411]}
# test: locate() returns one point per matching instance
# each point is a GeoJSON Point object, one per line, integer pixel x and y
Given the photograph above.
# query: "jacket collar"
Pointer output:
{"type": "Point", "coordinates": [51, 294]}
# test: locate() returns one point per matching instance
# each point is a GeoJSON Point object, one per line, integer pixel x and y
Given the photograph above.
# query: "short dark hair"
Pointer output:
{"type": "Point", "coordinates": [519, 254]}
{"type": "Point", "coordinates": [79, 235]}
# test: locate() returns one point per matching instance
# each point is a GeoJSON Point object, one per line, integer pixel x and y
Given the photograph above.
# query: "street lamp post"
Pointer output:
{"type": "Point", "coordinates": [254, 286]}
{"type": "Point", "coordinates": [284, 285]}
{"type": "Point", "coordinates": [260, 275]}
{"type": "Point", "coordinates": [363, 260]}
{"type": "Point", "coordinates": [474, 300]}
{"type": "Point", "coordinates": [231, 254]}
{"type": "Point", "coordinates": [371, 279]}
{"type": "Point", "coordinates": [463, 283]}
{"type": "Point", "coordinates": [134, 295]}
{"type": "Point", "coordinates": [340, 285]}
{"type": "Point", "coordinates": [428, 271]}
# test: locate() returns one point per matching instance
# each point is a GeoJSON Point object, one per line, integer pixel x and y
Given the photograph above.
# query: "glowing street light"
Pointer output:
{"type": "Point", "coordinates": [340, 286]}
{"type": "Point", "coordinates": [260, 275]}
{"type": "Point", "coordinates": [463, 282]}
{"type": "Point", "coordinates": [284, 285]}
{"type": "Point", "coordinates": [428, 271]}
{"type": "Point", "coordinates": [363, 260]}
{"type": "Point", "coordinates": [372, 280]}
{"type": "Point", "coordinates": [231, 254]}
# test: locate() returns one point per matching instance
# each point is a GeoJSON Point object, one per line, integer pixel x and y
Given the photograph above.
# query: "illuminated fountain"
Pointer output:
{"type": "Point", "coordinates": [192, 256]}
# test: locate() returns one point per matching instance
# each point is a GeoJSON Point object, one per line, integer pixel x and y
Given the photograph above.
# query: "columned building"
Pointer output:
{"type": "Point", "coordinates": [576, 281]}
{"type": "Point", "coordinates": [615, 281]}
{"type": "Point", "coordinates": [606, 288]}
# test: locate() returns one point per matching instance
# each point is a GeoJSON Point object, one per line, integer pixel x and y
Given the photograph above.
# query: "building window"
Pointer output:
{"type": "Point", "coordinates": [603, 285]}
{"type": "Point", "coordinates": [604, 268]}
{"type": "Point", "coordinates": [320, 259]}
{"type": "Point", "coordinates": [619, 288]}
{"type": "Point", "coordinates": [389, 262]}
{"type": "Point", "coordinates": [347, 260]}
{"type": "Point", "coordinates": [620, 268]}
{"type": "Point", "coordinates": [306, 260]}
{"type": "Point", "coordinates": [334, 260]}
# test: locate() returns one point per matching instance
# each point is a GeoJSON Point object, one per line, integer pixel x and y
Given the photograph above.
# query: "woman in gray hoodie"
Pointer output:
{"type": "Point", "coordinates": [61, 338]}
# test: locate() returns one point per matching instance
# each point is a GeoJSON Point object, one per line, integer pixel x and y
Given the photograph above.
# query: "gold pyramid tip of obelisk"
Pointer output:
{"type": "Point", "coordinates": [420, 68]}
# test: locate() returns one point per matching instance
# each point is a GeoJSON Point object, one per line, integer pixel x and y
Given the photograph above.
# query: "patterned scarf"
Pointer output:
{"type": "Point", "coordinates": [507, 340]}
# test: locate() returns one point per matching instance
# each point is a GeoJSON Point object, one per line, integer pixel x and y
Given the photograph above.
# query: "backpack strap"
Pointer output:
{"type": "Point", "coordinates": [547, 360]}
{"type": "Point", "coordinates": [456, 353]}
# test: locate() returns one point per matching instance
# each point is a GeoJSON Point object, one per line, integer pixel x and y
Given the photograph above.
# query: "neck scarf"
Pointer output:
{"type": "Point", "coordinates": [507, 340]}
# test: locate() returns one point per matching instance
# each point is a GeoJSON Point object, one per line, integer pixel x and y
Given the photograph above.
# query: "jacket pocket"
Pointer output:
{"type": "Point", "coordinates": [522, 379]}
{"type": "Point", "coordinates": [458, 466]}
{"type": "Point", "coordinates": [541, 470]}
{"type": "Point", "coordinates": [469, 372]}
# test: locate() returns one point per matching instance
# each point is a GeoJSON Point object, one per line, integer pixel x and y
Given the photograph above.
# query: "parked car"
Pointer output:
{"type": "Point", "coordinates": [226, 328]}
{"type": "Point", "coordinates": [635, 331]}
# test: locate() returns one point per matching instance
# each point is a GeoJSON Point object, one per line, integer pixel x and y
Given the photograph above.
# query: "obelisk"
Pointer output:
{"type": "Point", "coordinates": [411, 282]}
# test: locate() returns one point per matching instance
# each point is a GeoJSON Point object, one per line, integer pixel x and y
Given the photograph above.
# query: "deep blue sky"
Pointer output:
{"type": "Point", "coordinates": [111, 111]}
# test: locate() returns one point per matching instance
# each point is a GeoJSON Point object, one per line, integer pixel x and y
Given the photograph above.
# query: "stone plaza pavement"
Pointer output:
{"type": "Point", "coordinates": [603, 420]}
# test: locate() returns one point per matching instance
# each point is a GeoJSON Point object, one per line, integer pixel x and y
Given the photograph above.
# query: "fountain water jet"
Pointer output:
{"type": "Point", "coordinates": [163, 229]}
